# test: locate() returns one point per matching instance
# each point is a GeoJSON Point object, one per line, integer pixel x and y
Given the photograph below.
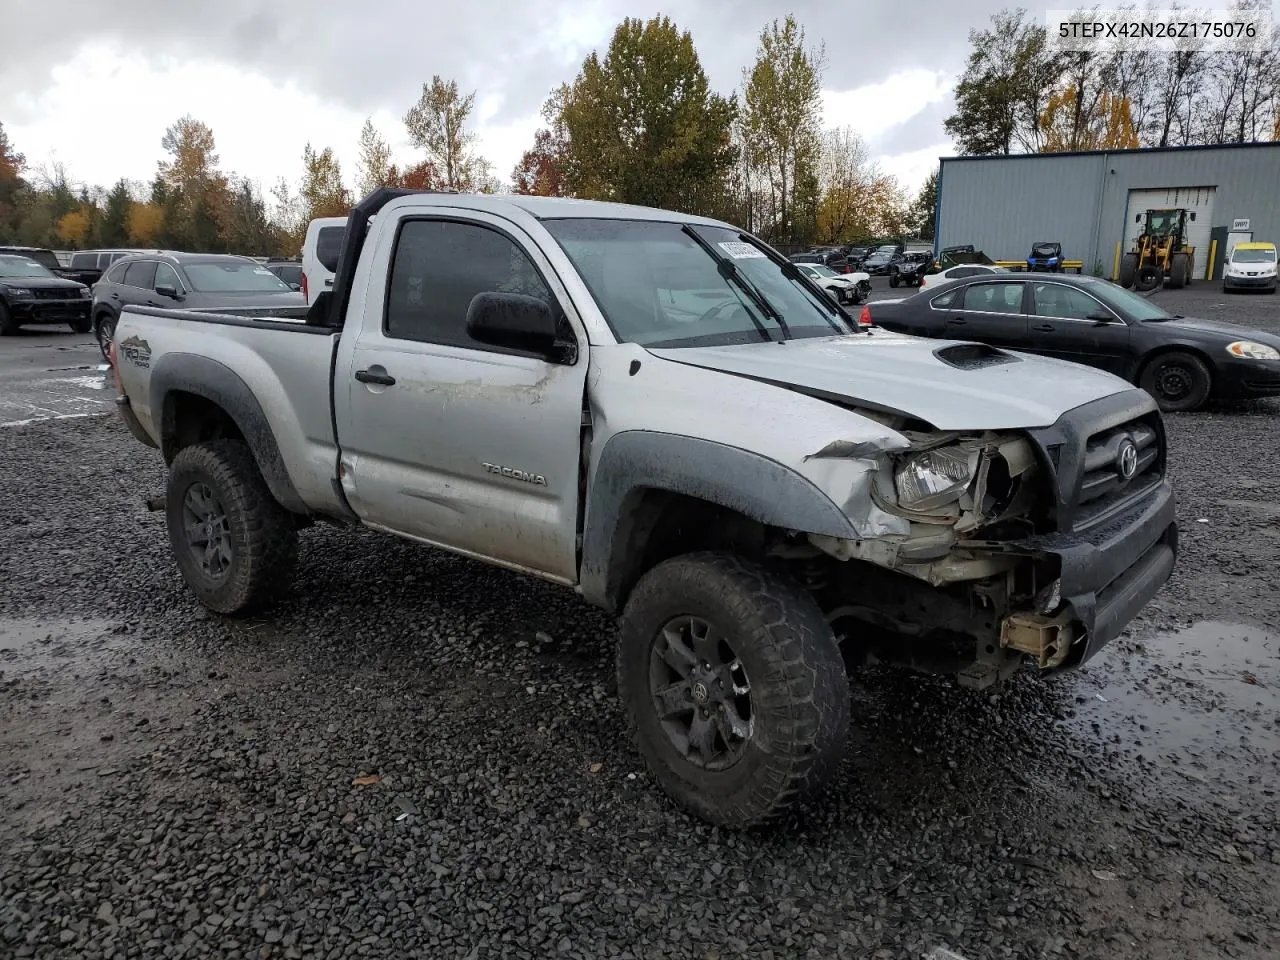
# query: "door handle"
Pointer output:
{"type": "Point", "coordinates": [957, 321]}
{"type": "Point", "coordinates": [328, 283]}
{"type": "Point", "coordinates": [1044, 328]}
{"type": "Point", "coordinates": [115, 296]}
{"type": "Point", "coordinates": [373, 376]}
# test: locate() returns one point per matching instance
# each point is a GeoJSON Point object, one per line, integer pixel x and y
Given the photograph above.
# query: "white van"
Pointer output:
{"type": "Point", "coordinates": [320, 252]}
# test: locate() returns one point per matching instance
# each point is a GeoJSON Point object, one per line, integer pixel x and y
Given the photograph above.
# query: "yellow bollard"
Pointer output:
{"type": "Point", "coordinates": [1213, 254]}
{"type": "Point", "coordinates": [1115, 269]}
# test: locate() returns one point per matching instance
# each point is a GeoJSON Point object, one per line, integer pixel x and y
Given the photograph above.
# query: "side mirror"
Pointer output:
{"type": "Point", "coordinates": [512, 320]}
{"type": "Point", "coordinates": [1137, 218]}
{"type": "Point", "coordinates": [1193, 216]}
{"type": "Point", "coordinates": [1099, 317]}
{"type": "Point", "coordinates": [165, 290]}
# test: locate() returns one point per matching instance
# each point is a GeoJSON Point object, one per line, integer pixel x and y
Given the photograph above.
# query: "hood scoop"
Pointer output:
{"type": "Point", "coordinates": [973, 356]}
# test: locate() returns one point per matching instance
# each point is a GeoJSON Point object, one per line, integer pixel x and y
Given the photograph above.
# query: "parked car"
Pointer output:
{"type": "Point", "coordinates": [92, 264]}
{"type": "Point", "coordinates": [1179, 361]}
{"type": "Point", "coordinates": [827, 258]}
{"type": "Point", "coordinates": [960, 272]}
{"type": "Point", "coordinates": [1045, 256]}
{"type": "Point", "coordinates": [193, 281]}
{"type": "Point", "coordinates": [843, 287]}
{"type": "Point", "coordinates": [320, 249]}
{"type": "Point", "coordinates": [661, 413]}
{"type": "Point", "coordinates": [1250, 266]}
{"type": "Point", "coordinates": [31, 293]}
{"type": "Point", "coordinates": [287, 269]}
{"type": "Point", "coordinates": [879, 260]}
{"type": "Point", "coordinates": [49, 260]}
{"type": "Point", "coordinates": [855, 255]}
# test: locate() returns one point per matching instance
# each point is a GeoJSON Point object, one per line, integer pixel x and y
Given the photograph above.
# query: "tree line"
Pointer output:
{"type": "Point", "coordinates": [640, 124]}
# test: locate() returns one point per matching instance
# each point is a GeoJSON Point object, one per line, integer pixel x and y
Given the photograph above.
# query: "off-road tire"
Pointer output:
{"type": "Point", "coordinates": [893, 279]}
{"type": "Point", "coordinates": [1195, 370]}
{"type": "Point", "coordinates": [1179, 270]}
{"type": "Point", "coordinates": [264, 537]}
{"type": "Point", "coordinates": [1128, 269]}
{"type": "Point", "coordinates": [1148, 278]}
{"type": "Point", "coordinates": [7, 325]}
{"type": "Point", "coordinates": [81, 326]}
{"type": "Point", "coordinates": [800, 693]}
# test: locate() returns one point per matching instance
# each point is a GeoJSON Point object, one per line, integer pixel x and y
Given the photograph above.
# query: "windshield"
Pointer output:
{"type": "Point", "coordinates": [233, 276]}
{"type": "Point", "coordinates": [22, 267]}
{"type": "Point", "coordinates": [657, 286]}
{"type": "Point", "coordinates": [887, 248]}
{"type": "Point", "coordinates": [1253, 256]}
{"type": "Point", "coordinates": [823, 271]}
{"type": "Point", "coordinates": [1138, 307]}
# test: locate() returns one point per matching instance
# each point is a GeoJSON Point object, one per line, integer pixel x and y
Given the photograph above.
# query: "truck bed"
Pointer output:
{"type": "Point", "coordinates": [278, 365]}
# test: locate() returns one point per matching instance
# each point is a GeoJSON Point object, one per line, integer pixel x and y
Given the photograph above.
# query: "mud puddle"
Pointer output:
{"type": "Point", "coordinates": [1202, 702]}
{"type": "Point", "coordinates": [30, 644]}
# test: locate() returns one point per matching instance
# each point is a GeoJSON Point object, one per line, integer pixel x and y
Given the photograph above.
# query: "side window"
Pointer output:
{"type": "Point", "coordinates": [439, 266]}
{"type": "Point", "coordinates": [104, 261]}
{"type": "Point", "coordinates": [994, 297]}
{"type": "Point", "coordinates": [945, 300]}
{"type": "Point", "coordinates": [329, 246]}
{"type": "Point", "coordinates": [166, 276]}
{"type": "Point", "coordinates": [141, 274]}
{"type": "Point", "coordinates": [1057, 300]}
{"type": "Point", "coordinates": [84, 261]}
{"type": "Point", "coordinates": [116, 273]}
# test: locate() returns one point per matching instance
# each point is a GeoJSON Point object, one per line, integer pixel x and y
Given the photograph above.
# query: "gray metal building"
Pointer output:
{"type": "Point", "coordinates": [1088, 201]}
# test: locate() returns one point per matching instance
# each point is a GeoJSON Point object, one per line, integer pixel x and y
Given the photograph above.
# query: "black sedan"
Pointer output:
{"type": "Point", "coordinates": [1179, 361]}
{"type": "Point", "coordinates": [29, 293]}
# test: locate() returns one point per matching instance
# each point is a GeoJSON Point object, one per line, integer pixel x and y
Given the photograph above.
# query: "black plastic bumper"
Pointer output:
{"type": "Point", "coordinates": [1109, 572]}
{"type": "Point", "coordinates": [50, 311]}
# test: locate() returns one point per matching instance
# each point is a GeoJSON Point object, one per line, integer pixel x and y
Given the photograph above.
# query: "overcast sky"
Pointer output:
{"type": "Point", "coordinates": [93, 84]}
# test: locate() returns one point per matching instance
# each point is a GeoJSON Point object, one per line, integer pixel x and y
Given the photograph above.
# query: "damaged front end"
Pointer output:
{"type": "Point", "coordinates": [966, 565]}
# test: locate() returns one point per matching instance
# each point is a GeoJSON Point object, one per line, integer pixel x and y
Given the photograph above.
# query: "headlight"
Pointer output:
{"type": "Point", "coordinates": [1252, 351]}
{"type": "Point", "coordinates": [18, 291]}
{"type": "Point", "coordinates": [86, 293]}
{"type": "Point", "coordinates": [932, 479]}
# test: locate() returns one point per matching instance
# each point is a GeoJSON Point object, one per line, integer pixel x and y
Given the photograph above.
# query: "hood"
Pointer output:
{"type": "Point", "coordinates": [904, 374]}
{"type": "Point", "coordinates": [1209, 330]}
{"type": "Point", "coordinates": [41, 283]}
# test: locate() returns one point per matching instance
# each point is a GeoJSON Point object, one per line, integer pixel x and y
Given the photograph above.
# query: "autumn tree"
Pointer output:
{"type": "Point", "coordinates": [73, 228]}
{"type": "Point", "coordinates": [1103, 123]}
{"type": "Point", "coordinates": [373, 163]}
{"type": "Point", "coordinates": [248, 229]}
{"type": "Point", "coordinates": [322, 192]}
{"type": "Point", "coordinates": [542, 170]}
{"type": "Point", "coordinates": [782, 115]}
{"type": "Point", "coordinates": [1002, 92]}
{"type": "Point", "coordinates": [437, 123]}
{"type": "Point", "coordinates": [11, 185]}
{"type": "Point", "coordinates": [920, 218]}
{"type": "Point", "coordinates": [643, 126]}
{"type": "Point", "coordinates": [145, 222]}
{"type": "Point", "coordinates": [421, 176]}
{"type": "Point", "coordinates": [197, 192]}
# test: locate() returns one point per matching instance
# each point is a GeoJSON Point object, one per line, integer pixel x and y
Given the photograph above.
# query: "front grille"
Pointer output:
{"type": "Point", "coordinates": [55, 294]}
{"type": "Point", "coordinates": [1102, 480]}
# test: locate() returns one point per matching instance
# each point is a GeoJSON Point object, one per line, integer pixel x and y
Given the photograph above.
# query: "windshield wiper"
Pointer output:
{"type": "Point", "coordinates": [729, 270]}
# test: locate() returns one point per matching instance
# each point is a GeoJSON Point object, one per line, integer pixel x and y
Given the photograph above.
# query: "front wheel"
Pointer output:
{"type": "Point", "coordinates": [235, 545]}
{"type": "Point", "coordinates": [83, 325]}
{"type": "Point", "coordinates": [733, 685]}
{"type": "Point", "coordinates": [8, 326]}
{"type": "Point", "coordinates": [1178, 381]}
{"type": "Point", "coordinates": [893, 279]}
{"type": "Point", "coordinates": [106, 331]}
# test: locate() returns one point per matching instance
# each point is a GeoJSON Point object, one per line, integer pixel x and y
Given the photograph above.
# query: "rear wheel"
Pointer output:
{"type": "Point", "coordinates": [235, 545]}
{"type": "Point", "coordinates": [733, 685]}
{"type": "Point", "coordinates": [893, 279]}
{"type": "Point", "coordinates": [1179, 269]}
{"type": "Point", "coordinates": [1178, 381]}
{"type": "Point", "coordinates": [1128, 269]}
{"type": "Point", "coordinates": [105, 332]}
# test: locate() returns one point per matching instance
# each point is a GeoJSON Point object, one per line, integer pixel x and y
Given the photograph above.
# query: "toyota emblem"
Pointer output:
{"type": "Point", "coordinates": [1127, 459]}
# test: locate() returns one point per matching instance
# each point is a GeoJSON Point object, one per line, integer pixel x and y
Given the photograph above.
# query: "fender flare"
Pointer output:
{"type": "Point", "coordinates": [222, 386]}
{"type": "Point", "coordinates": [634, 462]}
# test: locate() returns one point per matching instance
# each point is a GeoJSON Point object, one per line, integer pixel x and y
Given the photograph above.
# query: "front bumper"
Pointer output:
{"type": "Point", "coordinates": [1111, 571]}
{"type": "Point", "coordinates": [1239, 379]}
{"type": "Point", "coordinates": [50, 311]}
{"type": "Point", "coordinates": [1249, 283]}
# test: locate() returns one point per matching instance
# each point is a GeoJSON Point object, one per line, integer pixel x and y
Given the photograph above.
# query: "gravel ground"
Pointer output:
{"type": "Point", "coordinates": [419, 756]}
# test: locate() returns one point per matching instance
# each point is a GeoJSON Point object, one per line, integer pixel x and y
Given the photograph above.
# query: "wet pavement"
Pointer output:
{"type": "Point", "coordinates": [47, 373]}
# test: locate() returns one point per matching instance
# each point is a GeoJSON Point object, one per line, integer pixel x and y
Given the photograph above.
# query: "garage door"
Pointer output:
{"type": "Point", "coordinates": [1199, 199]}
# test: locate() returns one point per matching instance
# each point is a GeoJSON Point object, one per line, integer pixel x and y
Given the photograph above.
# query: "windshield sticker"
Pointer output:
{"type": "Point", "coordinates": [740, 251]}
{"type": "Point", "coordinates": [263, 271]}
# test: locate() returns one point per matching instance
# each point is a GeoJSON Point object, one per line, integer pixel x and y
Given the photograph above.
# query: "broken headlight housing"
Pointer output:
{"type": "Point", "coordinates": [933, 479]}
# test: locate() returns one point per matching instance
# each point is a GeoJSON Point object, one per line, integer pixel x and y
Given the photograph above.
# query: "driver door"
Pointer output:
{"type": "Point", "coordinates": [1063, 326]}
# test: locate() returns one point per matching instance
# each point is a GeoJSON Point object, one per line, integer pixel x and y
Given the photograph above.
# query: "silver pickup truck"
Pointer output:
{"type": "Point", "coordinates": [660, 412]}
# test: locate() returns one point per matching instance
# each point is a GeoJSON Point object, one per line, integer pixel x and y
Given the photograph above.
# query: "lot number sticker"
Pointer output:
{"type": "Point", "coordinates": [740, 251]}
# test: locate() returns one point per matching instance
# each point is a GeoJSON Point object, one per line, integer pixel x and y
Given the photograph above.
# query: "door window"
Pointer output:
{"type": "Point", "coordinates": [141, 274]}
{"type": "Point", "coordinates": [116, 273]}
{"type": "Point", "coordinates": [84, 261]}
{"type": "Point", "coordinates": [166, 276]}
{"type": "Point", "coordinates": [1057, 300]}
{"type": "Point", "coordinates": [438, 268]}
{"type": "Point", "coordinates": [994, 297]}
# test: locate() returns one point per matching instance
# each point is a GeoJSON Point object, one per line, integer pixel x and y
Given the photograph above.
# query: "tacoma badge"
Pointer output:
{"type": "Point", "coordinates": [514, 474]}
